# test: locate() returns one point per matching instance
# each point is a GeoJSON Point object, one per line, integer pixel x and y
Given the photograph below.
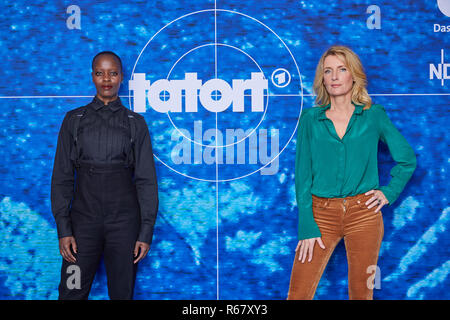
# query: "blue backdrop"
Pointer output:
{"type": "Point", "coordinates": [227, 222]}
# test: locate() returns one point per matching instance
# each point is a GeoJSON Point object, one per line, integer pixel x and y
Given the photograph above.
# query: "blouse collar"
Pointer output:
{"type": "Point", "coordinates": [323, 109]}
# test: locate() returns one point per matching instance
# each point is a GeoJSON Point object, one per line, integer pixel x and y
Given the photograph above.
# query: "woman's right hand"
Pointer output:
{"type": "Point", "coordinates": [306, 248]}
{"type": "Point", "coordinates": [66, 245]}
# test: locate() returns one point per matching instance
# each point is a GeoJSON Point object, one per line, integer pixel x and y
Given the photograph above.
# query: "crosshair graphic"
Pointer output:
{"type": "Point", "coordinates": [279, 73]}
{"type": "Point", "coordinates": [296, 90]}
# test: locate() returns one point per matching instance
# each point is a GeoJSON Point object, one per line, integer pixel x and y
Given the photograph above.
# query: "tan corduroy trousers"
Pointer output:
{"type": "Point", "coordinates": [362, 230]}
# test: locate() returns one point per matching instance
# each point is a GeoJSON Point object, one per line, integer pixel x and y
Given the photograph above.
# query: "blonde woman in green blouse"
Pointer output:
{"type": "Point", "coordinates": [336, 176]}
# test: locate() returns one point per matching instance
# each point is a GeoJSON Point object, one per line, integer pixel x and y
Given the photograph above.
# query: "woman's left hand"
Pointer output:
{"type": "Point", "coordinates": [140, 248]}
{"type": "Point", "coordinates": [378, 198]}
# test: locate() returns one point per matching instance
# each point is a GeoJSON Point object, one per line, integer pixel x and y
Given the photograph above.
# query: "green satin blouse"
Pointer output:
{"type": "Point", "coordinates": [327, 166]}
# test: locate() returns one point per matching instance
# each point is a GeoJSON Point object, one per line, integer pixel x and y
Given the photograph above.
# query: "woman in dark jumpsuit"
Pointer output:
{"type": "Point", "coordinates": [104, 189]}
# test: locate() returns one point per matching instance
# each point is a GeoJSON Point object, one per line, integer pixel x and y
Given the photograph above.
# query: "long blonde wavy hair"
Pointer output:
{"type": "Point", "coordinates": [351, 61]}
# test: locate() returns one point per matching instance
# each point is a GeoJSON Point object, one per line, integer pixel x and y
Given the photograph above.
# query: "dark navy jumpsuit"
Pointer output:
{"type": "Point", "coordinates": [104, 194]}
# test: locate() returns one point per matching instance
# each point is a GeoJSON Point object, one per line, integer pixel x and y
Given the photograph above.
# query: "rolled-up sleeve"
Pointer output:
{"type": "Point", "coordinates": [146, 182]}
{"type": "Point", "coordinates": [307, 227]}
{"type": "Point", "coordinates": [62, 184]}
{"type": "Point", "coordinates": [402, 153]}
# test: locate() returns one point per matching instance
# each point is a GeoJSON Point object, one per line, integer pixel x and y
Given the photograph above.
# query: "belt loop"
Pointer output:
{"type": "Point", "coordinates": [326, 202]}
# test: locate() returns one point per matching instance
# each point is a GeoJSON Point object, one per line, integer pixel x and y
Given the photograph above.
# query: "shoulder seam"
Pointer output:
{"type": "Point", "coordinates": [73, 111]}
{"type": "Point", "coordinates": [307, 110]}
{"type": "Point", "coordinates": [135, 114]}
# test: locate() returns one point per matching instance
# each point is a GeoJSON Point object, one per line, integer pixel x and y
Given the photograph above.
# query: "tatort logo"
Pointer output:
{"type": "Point", "coordinates": [441, 71]}
{"type": "Point", "coordinates": [215, 95]}
{"type": "Point", "coordinates": [221, 93]}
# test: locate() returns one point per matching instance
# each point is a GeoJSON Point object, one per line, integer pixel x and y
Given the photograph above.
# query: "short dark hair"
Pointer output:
{"type": "Point", "coordinates": [107, 53]}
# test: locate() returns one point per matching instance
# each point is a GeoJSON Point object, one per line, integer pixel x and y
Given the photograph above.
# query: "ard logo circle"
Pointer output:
{"type": "Point", "coordinates": [444, 6]}
{"type": "Point", "coordinates": [221, 93]}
